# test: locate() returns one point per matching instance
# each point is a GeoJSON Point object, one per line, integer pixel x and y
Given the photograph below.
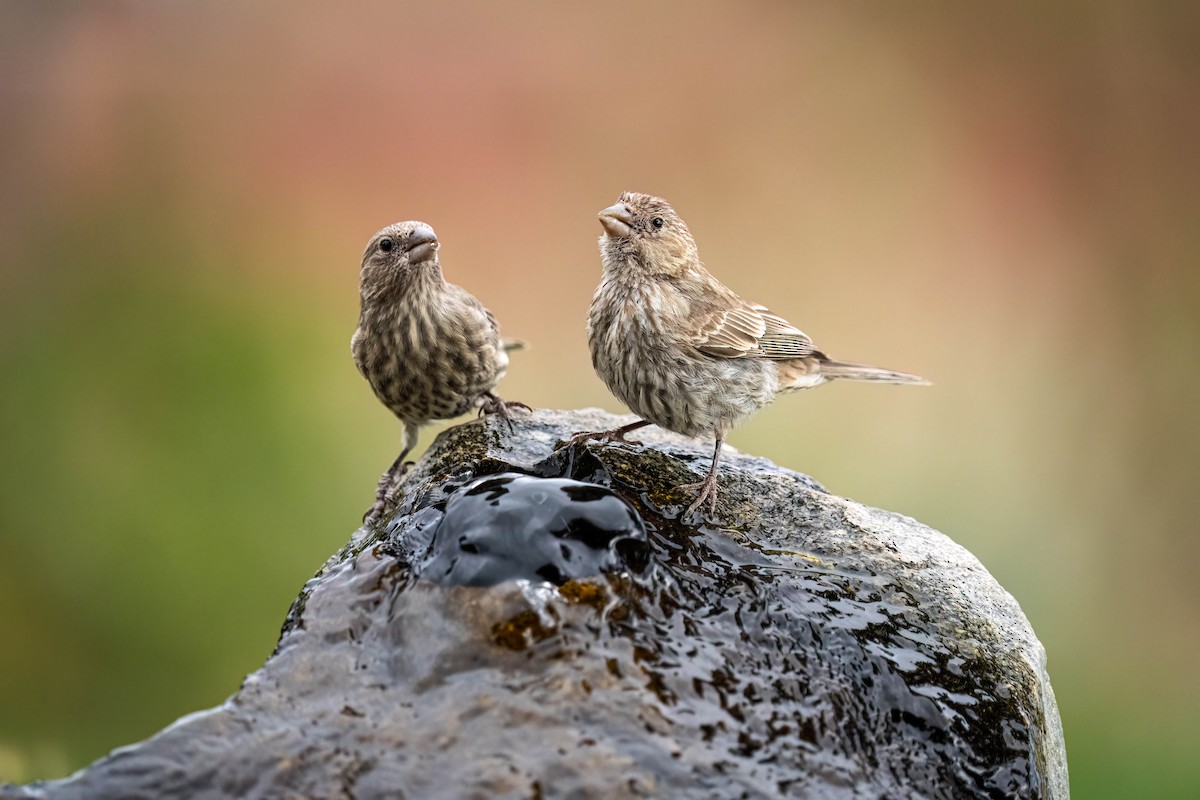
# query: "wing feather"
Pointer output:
{"type": "Point", "coordinates": [750, 331]}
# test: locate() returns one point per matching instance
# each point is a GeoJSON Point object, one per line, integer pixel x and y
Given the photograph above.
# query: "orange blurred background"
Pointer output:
{"type": "Point", "coordinates": [1005, 199]}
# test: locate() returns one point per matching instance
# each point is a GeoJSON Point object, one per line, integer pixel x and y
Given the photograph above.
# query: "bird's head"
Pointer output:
{"type": "Point", "coordinates": [644, 229]}
{"type": "Point", "coordinates": [398, 250]}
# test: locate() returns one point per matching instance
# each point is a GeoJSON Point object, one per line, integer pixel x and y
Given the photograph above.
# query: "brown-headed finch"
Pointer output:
{"type": "Point", "coordinates": [428, 348]}
{"type": "Point", "coordinates": [681, 349]}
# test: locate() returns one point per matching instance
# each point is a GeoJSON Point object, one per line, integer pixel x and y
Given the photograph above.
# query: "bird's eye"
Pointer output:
{"type": "Point", "coordinates": [386, 245]}
{"type": "Point", "coordinates": [657, 222]}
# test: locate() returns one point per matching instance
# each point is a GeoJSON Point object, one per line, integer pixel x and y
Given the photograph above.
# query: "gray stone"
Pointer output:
{"type": "Point", "coordinates": [797, 644]}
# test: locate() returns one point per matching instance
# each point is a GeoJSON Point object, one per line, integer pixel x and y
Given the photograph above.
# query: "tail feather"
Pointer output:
{"type": "Point", "coordinates": [847, 370]}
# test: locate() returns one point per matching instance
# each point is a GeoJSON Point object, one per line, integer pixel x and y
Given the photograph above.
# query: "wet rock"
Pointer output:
{"type": "Point", "coordinates": [512, 526]}
{"type": "Point", "coordinates": [541, 624]}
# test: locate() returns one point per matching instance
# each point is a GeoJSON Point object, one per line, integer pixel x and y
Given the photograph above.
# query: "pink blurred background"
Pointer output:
{"type": "Point", "coordinates": [1003, 198]}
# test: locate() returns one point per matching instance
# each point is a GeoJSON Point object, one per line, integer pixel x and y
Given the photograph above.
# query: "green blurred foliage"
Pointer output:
{"type": "Point", "coordinates": [1002, 198]}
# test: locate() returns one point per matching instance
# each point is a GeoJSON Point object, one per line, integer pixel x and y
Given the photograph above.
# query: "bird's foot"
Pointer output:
{"type": "Point", "coordinates": [388, 483]}
{"type": "Point", "coordinates": [494, 405]}
{"type": "Point", "coordinates": [707, 489]}
{"type": "Point", "coordinates": [614, 435]}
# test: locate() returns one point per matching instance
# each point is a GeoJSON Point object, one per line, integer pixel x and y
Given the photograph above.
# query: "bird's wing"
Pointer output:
{"type": "Point", "coordinates": [495, 323]}
{"type": "Point", "coordinates": [750, 331]}
{"type": "Point", "coordinates": [470, 308]}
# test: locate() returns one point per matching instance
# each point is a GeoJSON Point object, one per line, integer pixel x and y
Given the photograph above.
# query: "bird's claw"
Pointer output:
{"type": "Point", "coordinates": [707, 491]}
{"type": "Point", "coordinates": [388, 483]}
{"type": "Point", "coordinates": [501, 407]}
{"type": "Point", "coordinates": [616, 435]}
{"type": "Point", "coordinates": [494, 405]}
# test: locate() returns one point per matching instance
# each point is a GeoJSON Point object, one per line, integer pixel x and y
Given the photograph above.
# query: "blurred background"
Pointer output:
{"type": "Point", "coordinates": [1005, 198]}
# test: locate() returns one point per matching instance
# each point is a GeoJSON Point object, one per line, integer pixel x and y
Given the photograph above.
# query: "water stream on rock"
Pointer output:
{"type": "Point", "coordinates": [777, 669]}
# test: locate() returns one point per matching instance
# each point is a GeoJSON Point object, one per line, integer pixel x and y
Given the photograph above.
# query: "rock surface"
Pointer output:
{"type": "Point", "coordinates": [519, 636]}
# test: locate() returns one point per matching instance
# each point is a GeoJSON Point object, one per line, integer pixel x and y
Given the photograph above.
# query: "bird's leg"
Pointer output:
{"type": "Point", "coordinates": [615, 435]}
{"type": "Point", "coordinates": [383, 492]}
{"type": "Point", "coordinates": [494, 405]}
{"type": "Point", "coordinates": [392, 477]}
{"type": "Point", "coordinates": [708, 486]}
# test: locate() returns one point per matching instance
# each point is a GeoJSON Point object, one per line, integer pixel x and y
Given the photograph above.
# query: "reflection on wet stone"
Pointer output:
{"type": "Point", "coordinates": [511, 526]}
{"type": "Point", "coordinates": [540, 624]}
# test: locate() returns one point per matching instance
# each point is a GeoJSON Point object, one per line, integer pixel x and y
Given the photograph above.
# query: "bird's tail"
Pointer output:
{"type": "Point", "coordinates": [510, 345]}
{"type": "Point", "coordinates": [865, 372]}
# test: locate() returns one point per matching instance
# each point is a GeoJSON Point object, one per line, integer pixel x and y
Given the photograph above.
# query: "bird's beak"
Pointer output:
{"type": "Point", "coordinates": [422, 244]}
{"type": "Point", "coordinates": [617, 220]}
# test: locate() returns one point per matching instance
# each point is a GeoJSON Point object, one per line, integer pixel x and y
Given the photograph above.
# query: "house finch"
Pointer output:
{"type": "Point", "coordinates": [428, 348]}
{"type": "Point", "coordinates": [680, 348]}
